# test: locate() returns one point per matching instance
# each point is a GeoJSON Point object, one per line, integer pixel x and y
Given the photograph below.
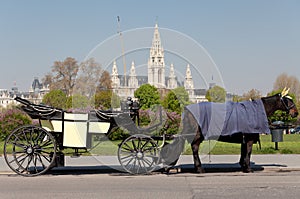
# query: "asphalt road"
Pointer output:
{"type": "Point", "coordinates": [262, 184]}
{"type": "Point", "coordinates": [275, 176]}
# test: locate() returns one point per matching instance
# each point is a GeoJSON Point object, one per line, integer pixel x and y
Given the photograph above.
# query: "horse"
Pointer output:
{"type": "Point", "coordinates": [193, 131]}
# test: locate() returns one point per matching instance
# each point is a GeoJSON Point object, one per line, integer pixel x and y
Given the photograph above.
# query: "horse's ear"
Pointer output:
{"type": "Point", "coordinates": [285, 92]}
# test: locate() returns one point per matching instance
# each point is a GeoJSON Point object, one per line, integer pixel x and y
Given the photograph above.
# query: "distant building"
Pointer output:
{"type": "Point", "coordinates": [156, 76]}
{"type": "Point", "coordinates": [124, 86]}
{"type": "Point", "coordinates": [35, 94]}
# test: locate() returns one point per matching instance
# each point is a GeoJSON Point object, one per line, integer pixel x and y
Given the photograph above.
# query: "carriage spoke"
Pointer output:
{"type": "Point", "coordinates": [16, 158]}
{"type": "Point", "coordinates": [46, 158]}
{"type": "Point", "coordinates": [148, 162]}
{"type": "Point", "coordinates": [126, 157]}
{"type": "Point", "coordinates": [29, 161]}
{"type": "Point", "coordinates": [41, 161]}
{"type": "Point", "coordinates": [144, 166]}
{"type": "Point", "coordinates": [132, 166]}
{"type": "Point", "coordinates": [128, 147]}
{"type": "Point", "coordinates": [133, 144]}
{"type": "Point", "coordinates": [130, 160]}
{"type": "Point", "coordinates": [47, 143]}
{"type": "Point", "coordinates": [146, 143]}
{"type": "Point", "coordinates": [139, 143]}
{"type": "Point", "coordinates": [19, 145]}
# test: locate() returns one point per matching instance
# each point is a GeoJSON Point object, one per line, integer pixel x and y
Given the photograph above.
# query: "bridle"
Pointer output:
{"type": "Point", "coordinates": [287, 107]}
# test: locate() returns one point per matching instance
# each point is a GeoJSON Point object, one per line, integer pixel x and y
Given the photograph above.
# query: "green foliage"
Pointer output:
{"type": "Point", "coordinates": [77, 102]}
{"type": "Point", "coordinates": [173, 123]}
{"type": "Point", "coordinates": [106, 99]}
{"type": "Point", "coordinates": [115, 101]}
{"type": "Point", "coordinates": [176, 100]}
{"type": "Point", "coordinates": [55, 98]}
{"type": "Point", "coordinates": [170, 102]}
{"type": "Point", "coordinates": [148, 96]}
{"type": "Point", "coordinates": [10, 119]}
{"type": "Point", "coordinates": [118, 134]}
{"type": "Point", "coordinates": [216, 94]}
{"type": "Point", "coordinates": [145, 118]}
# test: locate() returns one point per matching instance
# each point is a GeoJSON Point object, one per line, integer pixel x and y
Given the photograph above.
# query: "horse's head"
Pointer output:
{"type": "Point", "coordinates": [281, 101]}
{"type": "Point", "coordinates": [288, 105]}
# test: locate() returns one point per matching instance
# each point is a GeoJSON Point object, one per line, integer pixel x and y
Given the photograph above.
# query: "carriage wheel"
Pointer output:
{"type": "Point", "coordinates": [30, 150]}
{"type": "Point", "coordinates": [138, 154]}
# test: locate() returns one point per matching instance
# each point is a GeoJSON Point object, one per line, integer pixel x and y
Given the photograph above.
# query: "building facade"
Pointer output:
{"type": "Point", "coordinates": [34, 95]}
{"type": "Point", "coordinates": [156, 75]}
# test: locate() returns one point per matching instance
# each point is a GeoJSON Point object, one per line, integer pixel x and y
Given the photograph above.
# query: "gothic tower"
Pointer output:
{"type": "Point", "coordinates": [115, 76]}
{"type": "Point", "coordinates": [156, 62]}
{"type": "Point", "coordinates": [132, 81]}
{"type": "Point", "coordinates": [172, 83]}
{"type": "Point", "coordinates": [188, 83]}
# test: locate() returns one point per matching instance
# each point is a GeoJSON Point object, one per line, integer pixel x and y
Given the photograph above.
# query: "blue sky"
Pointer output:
{"type": "Point", "coordinates": [251, 42]}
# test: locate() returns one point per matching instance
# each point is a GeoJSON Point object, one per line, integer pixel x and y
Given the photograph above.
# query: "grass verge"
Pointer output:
{"type": "Point", "coordinates": [290, 145]}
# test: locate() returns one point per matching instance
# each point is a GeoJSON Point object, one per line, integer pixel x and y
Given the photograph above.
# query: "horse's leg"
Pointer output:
{"type": "Point", "coordinates": [192, 132]}
{"type": "Point", "coordinates": [246, 150]}
{"type": "Point", "coordinates": [195, 148]}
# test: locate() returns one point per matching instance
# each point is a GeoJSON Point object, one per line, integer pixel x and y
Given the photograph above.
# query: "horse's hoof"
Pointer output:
{"type": "Point", "coordinates": [200, 170]}
{"type": "Point", "coordinates": [247, 171]}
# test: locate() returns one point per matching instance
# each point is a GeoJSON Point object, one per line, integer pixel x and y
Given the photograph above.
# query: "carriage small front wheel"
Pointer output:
{"type": "Point", "coordinates": [138, 154]}
{"type": "Point", "coordinates": [30, 150]}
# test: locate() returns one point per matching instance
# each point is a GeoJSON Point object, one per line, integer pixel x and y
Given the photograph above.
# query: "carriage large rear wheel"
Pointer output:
{"type": "Point", "coordinates": [138, 154]}
{"type": "Point", "coordinates": [30, 150]}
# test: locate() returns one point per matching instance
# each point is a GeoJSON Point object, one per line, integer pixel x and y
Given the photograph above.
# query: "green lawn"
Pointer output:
{"type": "Point", "coordinates": [290, 145]}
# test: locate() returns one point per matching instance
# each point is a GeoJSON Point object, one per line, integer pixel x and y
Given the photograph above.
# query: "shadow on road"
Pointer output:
{"type": "Point", "coordinates": [183, 168]}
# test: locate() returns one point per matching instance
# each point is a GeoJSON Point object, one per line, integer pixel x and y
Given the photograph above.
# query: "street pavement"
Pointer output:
{"type": "Point", "coordinates": [212, 163]}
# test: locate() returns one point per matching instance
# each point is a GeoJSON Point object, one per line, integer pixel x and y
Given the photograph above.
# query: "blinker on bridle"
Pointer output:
{"type": "Point", "coordinates": [287, 107]}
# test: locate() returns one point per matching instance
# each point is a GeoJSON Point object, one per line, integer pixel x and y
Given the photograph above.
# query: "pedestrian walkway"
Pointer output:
{"type": "Point", "coordinates": [212, 163]}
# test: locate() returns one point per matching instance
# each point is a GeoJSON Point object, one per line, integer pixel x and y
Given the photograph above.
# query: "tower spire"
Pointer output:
{"type": "Point", "coordinates": [156, 62]}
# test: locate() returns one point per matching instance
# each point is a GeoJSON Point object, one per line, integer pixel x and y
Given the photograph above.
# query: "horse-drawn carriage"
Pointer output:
{"type": "Point", "coordinates": [33, 150]}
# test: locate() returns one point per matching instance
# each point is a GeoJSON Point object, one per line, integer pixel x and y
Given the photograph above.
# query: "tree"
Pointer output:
{"type": "Point", "coordinates": [77, 101]}
{"type": "Point", "coordinates": [88, 77]}
{"type": "Point", "coordinates": [55, 98]}
{"type": "Point", "coordinates": [65, 73]}
{"type": "Point", "coordinates": [106, 99]}
{"type": "Point", "coordinates": [216, 94]}
{"type": "Point", "coordinates": [47, 80]}
{"type": "Point", "coordinates": [10, 119]}
{"type": "Point", "coordinates": [236, 98]}
{"type": "Point", "coordinates": [253, 94]}
{"type": "Point", "coordinates": [105, 82]}
{"type": "Point", "coordinates": [171, 102]}
{"type": "Point", "coordinates": [148, 96]}
{"type": "Point", "coordinates": [292, 82]}
{"type": "Point", "coordinates": [176, 100]}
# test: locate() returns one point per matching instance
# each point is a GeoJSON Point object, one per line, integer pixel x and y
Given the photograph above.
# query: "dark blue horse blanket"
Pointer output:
{"type": "Point", "coordinates": [216, 119]}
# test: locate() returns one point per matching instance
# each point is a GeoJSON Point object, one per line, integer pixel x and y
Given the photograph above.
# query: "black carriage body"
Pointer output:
{"type": "Point", "coordinates": [33, 150]}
